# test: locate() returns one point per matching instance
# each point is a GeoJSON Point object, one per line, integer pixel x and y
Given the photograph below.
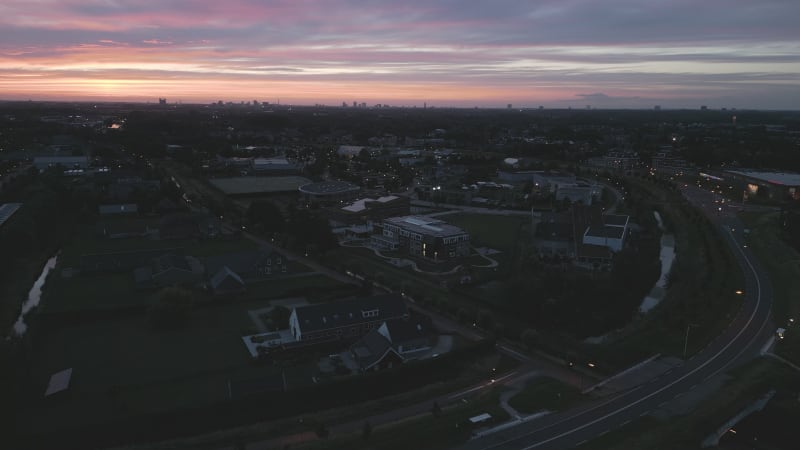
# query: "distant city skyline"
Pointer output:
{"type": "Point", "coordinates": [565, 53]}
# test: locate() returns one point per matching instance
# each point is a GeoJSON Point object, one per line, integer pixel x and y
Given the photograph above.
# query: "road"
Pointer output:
{"type": "Point", "coordinates": [474, 209]}
{"type": "Point", "coordinates": [740, 342]}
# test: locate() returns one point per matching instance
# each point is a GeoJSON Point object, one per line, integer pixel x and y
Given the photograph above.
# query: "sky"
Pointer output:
{"type": "Point", "coordinates": [487, 53]}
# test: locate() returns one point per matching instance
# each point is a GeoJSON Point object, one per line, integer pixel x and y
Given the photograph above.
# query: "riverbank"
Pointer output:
{"type": "Point", "coordinates": [33, 298]}
{"type": "Point", "coordinates": [15, 286]}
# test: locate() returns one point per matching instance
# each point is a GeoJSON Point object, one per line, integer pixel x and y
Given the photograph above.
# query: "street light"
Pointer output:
{"type": "Point", "coordinates": [686, 339]}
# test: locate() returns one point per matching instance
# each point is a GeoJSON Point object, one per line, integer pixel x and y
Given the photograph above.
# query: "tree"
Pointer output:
{"type": "Point", "coordinates": [266, 214]}
{"type": "Point", "coordinates": [436, 410]}
{"type": "Point", "coordinates": [322, 431]}
{"type": "Point", "coordinates": [530, 338]}
{"type": "Point", "coordinates": [485, 319]}
{"type": "Point", "coordinates": [367, 430]}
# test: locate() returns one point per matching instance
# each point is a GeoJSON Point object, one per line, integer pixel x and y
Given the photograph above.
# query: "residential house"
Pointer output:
{"type": "Point", "coordinates": [250, 264]}
{"type": "Point", "coordinates": [169, 270]}
{"type": "Point", "coordinates": [126, 228]}
{"type": "Point", "coordinates": [393, 342]}
{"type": "Point", "coordinates": [345, 319]}
{"type": "Point", "coordinates": [189, 226]}
{"type": "Point", "coordinates": [225, 281]}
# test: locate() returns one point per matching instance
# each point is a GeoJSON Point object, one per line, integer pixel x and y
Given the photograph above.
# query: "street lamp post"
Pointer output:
{"type": "Point", "coordinates": [686, 339]}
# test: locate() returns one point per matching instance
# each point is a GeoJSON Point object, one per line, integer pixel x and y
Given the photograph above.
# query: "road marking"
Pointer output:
{"type": "Point", "coordinates": [582, 442]}
{"type": "Point", "coordinates": [662, 389]}
{"type": "Point", "coordinates": [644, 413]}
{"type": "Point", "coordinates": [625, 423]}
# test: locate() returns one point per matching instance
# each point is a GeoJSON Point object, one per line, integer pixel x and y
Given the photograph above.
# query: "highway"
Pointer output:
{"type": "Point", "coordinates": [741, 341]}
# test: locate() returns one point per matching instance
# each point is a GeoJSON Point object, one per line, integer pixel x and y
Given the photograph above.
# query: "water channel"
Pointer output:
{"type": "Point", "coordinates": [34, 297]}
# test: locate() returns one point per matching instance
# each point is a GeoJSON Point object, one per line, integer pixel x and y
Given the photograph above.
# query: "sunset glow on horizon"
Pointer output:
{"type": "Point", "coordinates": [628, 54]}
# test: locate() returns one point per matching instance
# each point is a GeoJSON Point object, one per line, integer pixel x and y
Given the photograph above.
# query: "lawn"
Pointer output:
{"type": "Point", "coordinates": [425, 432]}
{"type": "Point", "coordinates": [493, 231]}
{"type": "Point", "coordinates": [87, 243]}
{"type": "Point", "coordinates": [314, 285]}
{"type": "Point", "coordinates": [122, 366]}
{"type": "Point", "coordinates": [103, 292]}
{"type": "Point", "coordinates": [545, 394]}
{"type": "Point", "coordinates": [749, 383]}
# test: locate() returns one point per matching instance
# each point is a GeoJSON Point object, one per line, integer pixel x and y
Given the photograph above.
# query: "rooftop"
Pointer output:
{"type": "Point", "coordinates": [606, 231]}
{"type": "Point", "coordinates": [323, 316]}
{"type": "Point", "coordinates": [254, 185]}
{"type": "Point", "coordinates": [329, 188]}
{"type": "Point", "coordinates": [7, 210]}
{"type": "Point", "coordinates": [361, 205]}
{"type": "Point", "coordinates": [617, 220]}
{"type": "Point", "coordinates": [781, 178]}
{"type": "Point", "coordinates": [426, 225]}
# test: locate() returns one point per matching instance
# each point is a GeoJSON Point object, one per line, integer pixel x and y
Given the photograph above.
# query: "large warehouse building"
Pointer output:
{"type": "Point", "coordinates": [775, 186]}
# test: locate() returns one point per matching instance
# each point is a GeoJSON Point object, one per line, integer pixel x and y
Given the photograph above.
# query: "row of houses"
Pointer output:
{"type": "Point", "coordinates": [221, 274]}
{"type": "Point", "coordinates": [584, 235]}
{"type": "Point", "coordinates": [381, 328]}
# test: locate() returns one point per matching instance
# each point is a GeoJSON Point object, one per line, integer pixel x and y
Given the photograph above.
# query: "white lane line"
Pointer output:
{"type": "Point", "coordinates": [662, 389]}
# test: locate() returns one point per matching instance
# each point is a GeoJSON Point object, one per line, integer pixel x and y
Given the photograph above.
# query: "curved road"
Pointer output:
{"type": "Point", "coordinates": [739, 342]}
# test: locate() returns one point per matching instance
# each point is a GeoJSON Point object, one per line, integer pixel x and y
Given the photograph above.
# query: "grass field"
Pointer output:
{"type": "Point", "coordinates": [103, 292]}
{"type": "Point", "coordinates": [312, 285]}
{"type": "Point", "coordinates": [425, 432]}
{"type": "Point", "coordinates": [123, 366]}
{"type": "Point", "coordinates": [493, 231]}
{"type": "Point", "coordinates": [545, 394]}
{"type": "Point", "coordinates": [86, 243]}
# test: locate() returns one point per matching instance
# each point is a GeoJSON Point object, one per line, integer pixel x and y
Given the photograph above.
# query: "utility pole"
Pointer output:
{"type": "Point", "coordinates": [686, 339]}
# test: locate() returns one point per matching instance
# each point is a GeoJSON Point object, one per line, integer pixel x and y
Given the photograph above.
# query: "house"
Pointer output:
{"type": "Point", "coordinates": [67, 162]}
{"type": "Point", "coordinates": [249, 264]}
{"type": "Point", "coordinates": [345, 319]}
{"type": "Point", "coordinates": [426, 237]}
{"type": "Point", "coordinates": [393, 342]}
{"type": "Point", "coordinates": [586, 236]}
{"type": "Point", "coordinates": [169, 270]}
{"type": "Point", "coordinates": [126, 228]}
{"type": "Point", "coordinates": [189, 226]}
{"type": "Point", "coordinates": [554, 235]}
{"type": "Point", "coordinates": [611, 233]}
{"type": "Point", "coordinates": [226, 281]}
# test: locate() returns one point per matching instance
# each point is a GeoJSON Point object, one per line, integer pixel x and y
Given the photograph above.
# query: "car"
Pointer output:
{"type": "Point", "coordinates": [780, 333]}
